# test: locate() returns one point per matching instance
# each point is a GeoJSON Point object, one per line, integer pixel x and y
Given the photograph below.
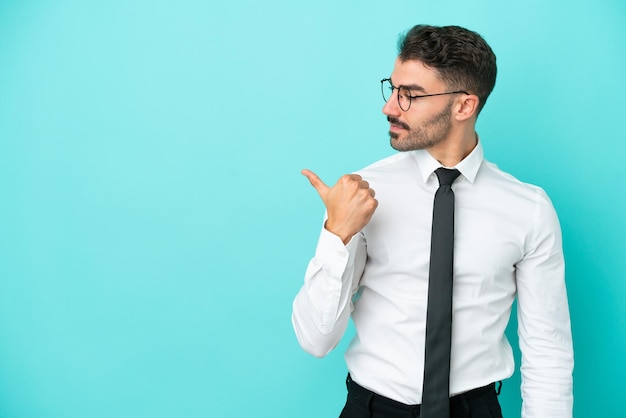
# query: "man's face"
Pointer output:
{"type": "Point", "coordinates": [428, 121]}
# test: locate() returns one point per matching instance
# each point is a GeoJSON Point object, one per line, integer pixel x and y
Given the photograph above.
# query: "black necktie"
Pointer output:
{"type": "Point", "coordinates": [436, 390]}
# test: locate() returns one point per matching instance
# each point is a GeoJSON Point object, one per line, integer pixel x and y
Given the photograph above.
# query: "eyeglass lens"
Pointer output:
{"type": "Point", "coordinates": [404, 94]}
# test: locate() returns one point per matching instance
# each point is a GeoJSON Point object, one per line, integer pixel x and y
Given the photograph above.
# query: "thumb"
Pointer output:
{"type": "Point", "coordinates": [316, 182]}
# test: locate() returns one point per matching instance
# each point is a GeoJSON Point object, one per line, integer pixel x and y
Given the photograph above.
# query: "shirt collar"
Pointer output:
{"type": "Point", "coordinates": [468, 166]}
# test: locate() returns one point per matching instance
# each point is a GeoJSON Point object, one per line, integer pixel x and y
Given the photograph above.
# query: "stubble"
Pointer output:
{"type": "Point", "coordinates": [428, 134]}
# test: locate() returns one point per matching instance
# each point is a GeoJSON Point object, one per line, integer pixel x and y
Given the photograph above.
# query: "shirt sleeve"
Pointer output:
{"type": "Point", "coordinates": [323, 305]}
{"type": "Point", "coordinates": [543, 320]}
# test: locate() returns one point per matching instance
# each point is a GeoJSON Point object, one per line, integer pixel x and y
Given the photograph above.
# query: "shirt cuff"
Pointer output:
{"type": "Point", "coordinates": [331, 251]}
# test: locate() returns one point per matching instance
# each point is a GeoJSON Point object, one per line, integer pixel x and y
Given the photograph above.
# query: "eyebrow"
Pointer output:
{"type": "Point", "coordinates": [412, 87]}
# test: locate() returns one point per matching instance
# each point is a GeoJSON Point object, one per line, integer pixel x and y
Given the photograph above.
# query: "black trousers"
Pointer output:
{"type": "Point", "coordinates": [363, 403]}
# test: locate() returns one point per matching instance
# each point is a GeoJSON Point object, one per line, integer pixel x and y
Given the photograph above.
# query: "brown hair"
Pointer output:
{"type": "Point", "coordinates": [462, 58]}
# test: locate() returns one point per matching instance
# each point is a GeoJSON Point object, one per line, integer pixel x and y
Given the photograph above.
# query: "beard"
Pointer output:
{"type": "Point", "coordinates": [427, 134]}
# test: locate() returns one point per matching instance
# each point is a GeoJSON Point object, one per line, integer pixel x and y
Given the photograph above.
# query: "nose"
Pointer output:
{"type": "Point", "coordinates": [392, 107]}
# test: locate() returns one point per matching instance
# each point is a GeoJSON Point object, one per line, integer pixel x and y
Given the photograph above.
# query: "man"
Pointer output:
{"type": "Point", "coordinates": [373, 260]}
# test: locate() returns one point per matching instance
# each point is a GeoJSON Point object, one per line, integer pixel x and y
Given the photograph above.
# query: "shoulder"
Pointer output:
{"type": "Point", "coordinates": [396, 172]}
{"type": "Point", "coordinates": [509, 189]}
{"type": "Point", "coordinates": [394, 164]}
{"type": "Point", "coordinates": [524, 208]}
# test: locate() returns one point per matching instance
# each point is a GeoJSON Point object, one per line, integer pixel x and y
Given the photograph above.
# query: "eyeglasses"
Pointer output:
{"type": "Point", "coordinates": [404, 94]}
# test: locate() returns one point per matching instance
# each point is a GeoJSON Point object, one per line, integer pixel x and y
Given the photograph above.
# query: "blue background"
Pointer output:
{"type": "Point", "coordinates": [154, 227]}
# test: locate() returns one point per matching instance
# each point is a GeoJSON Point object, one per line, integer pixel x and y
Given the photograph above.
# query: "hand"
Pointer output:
{"type": "Point", "coordinates": [350, 203]}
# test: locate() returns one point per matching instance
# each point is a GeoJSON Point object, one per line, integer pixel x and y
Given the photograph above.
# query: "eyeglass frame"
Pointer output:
{"type": "Point", "coordinates": [382, 90]}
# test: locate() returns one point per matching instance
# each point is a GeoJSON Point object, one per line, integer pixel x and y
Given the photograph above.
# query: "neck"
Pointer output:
{"type": "Point", "coordinates": [455, 148]}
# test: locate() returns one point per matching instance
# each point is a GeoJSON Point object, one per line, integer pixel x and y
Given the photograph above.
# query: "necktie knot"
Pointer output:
{"type": "Point", "coordinates": [446, 176]}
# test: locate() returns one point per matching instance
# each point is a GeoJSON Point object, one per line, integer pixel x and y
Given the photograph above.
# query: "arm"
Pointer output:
{"type": "Point", "coordinates": [322, 307]}
{"type": "Point", "coordinates": [543, 320]}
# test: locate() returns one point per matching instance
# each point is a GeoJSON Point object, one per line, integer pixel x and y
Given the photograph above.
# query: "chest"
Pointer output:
{"type": "Point", "coordinates": [490, 237]}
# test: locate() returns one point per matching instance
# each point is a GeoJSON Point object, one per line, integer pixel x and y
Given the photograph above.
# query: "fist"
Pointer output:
{"type": "Point", "coordinates": [350, 203]}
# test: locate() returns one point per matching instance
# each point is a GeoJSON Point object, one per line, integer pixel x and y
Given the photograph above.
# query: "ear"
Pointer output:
{"type": "Point", "coordinates": [466, 107]}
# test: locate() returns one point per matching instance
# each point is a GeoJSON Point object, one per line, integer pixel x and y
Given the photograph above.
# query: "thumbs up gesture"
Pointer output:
{"type": "Point", "coordinates": [350, 203]}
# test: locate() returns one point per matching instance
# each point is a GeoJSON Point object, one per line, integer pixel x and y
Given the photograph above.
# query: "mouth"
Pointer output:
{"type": "Point", "coordinates": [396, 126]}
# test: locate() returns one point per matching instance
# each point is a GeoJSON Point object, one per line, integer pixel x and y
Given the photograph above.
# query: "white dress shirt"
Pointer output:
{"type": "Point", "coordinates": [507, 243]}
